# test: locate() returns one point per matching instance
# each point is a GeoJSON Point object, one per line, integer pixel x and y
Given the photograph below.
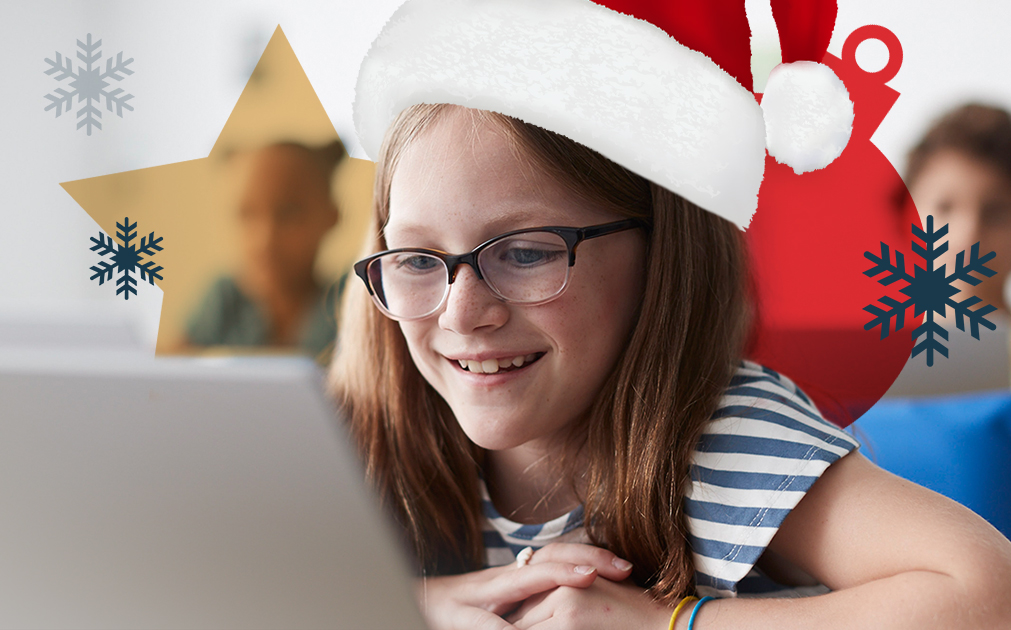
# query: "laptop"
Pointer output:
{"type": "Point", "coordinates": [138, 492]}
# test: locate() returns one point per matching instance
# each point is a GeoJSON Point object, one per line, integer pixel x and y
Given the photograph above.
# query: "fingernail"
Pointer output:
{"type": "Point", "coordinates": [584, 569]}
{"type": "Point", "coordinates": [622, 564]}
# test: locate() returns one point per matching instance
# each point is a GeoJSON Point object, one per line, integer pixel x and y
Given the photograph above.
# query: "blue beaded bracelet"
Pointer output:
{"type": "Point", "coordinates": [695, 611]}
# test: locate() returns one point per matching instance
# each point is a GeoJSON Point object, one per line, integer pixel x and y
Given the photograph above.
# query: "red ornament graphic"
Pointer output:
{"type": "Point", "coordinates": [807, 242]}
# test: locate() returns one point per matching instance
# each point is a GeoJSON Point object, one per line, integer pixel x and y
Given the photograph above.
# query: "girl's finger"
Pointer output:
{"type": "Point", "coordinates": [516, 585]}
{"type": "Point", "coordinates": [480, 619]}
{"type": "Point", "coordinates": [606, 562]}
{"type": "Point", "coordinates": [550, 623]}
{"type": "Point", "coordinates": [530, 612]}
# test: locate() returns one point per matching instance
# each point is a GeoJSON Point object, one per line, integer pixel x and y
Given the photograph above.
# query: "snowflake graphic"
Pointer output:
{"type": "Point", "coordinates": [126, 258]}
{"type": "Point", "coordinates": [929, 290]}
{"type": "Point", "coordinates": [89, 84]}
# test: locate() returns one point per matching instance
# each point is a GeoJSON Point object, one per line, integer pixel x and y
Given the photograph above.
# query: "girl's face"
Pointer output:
{"type": "Point", "coordinates": [458, 185]}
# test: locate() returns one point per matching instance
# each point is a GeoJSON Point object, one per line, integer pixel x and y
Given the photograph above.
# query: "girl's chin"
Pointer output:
{"type": "Point", "coordinates": [482, 433]}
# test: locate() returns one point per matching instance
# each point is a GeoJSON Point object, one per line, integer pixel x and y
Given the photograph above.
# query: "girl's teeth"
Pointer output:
{"type": "Point", "coordinates": [491, 366]}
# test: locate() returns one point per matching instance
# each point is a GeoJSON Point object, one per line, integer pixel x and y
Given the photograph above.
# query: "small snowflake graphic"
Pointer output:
{"type": "Point", "coordinates": [89, 84]}
{"type": "Point", "coordinates": [126, 258]}
{"type": "Point", "coordinates": [929, 290]}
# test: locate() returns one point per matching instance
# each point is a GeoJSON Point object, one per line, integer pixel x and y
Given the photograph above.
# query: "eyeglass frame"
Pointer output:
{"type": "Point", "coordinates": [571, 235]}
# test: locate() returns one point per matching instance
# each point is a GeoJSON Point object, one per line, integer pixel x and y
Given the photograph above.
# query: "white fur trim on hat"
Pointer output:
{"type": "Point", "coordinates": [614, 83]}
{"type": "Point", "coordinates": [808, 115]}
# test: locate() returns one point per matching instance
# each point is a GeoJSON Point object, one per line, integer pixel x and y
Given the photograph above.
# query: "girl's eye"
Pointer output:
{"type": "Point", "coordinates": [528, 256]}
{"type": "Point", "coordinates": [417, 263]}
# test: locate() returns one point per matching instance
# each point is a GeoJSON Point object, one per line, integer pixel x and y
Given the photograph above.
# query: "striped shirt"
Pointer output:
{"type": "Point", "coordinates": [764, 447]}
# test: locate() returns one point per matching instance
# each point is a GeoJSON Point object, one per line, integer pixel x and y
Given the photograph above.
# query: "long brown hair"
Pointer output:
{"type": "Point", "coordinates": [640, 433]}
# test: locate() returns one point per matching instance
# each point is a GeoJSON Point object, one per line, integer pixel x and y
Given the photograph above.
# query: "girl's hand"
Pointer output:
{"type": "Point", "coordinates": [604, 604]}
{"type": "Point", "coordinates": [477, 600]}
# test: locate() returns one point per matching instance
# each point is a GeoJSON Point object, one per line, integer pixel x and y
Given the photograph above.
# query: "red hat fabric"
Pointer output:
{"type": "Point", "coordinates": [716, 28]}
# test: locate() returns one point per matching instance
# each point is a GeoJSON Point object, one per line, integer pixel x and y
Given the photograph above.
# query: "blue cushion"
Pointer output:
{"type": "Point", "coordinates": [959, 446]}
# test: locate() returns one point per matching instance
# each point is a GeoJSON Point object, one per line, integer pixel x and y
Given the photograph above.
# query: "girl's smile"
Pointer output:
{"type": "Point", "coordinates": [510, 363]}
{"type": "Point", "coordinates": [496, 372]}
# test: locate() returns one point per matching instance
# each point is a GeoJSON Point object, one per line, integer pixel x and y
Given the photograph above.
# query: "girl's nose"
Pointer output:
{"type": "Point", "coordinates": [471, 306]}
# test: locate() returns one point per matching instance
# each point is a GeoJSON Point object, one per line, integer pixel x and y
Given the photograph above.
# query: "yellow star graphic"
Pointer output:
{"type": "Point", "coordinates": [192, 204]}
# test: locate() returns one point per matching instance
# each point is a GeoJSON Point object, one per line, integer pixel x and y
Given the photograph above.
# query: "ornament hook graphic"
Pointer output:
{"type": "Point", "coordinates": [883, 35]}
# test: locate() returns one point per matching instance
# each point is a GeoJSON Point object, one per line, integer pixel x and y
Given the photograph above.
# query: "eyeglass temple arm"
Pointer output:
{"type": "Point", "coordinates": [602, 230]}
{"type": "Point", "coordinates": [361, 270]}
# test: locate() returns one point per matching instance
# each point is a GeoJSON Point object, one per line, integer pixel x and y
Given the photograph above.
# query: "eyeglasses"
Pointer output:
{"type": "Point", "coordinates": [529, 266]}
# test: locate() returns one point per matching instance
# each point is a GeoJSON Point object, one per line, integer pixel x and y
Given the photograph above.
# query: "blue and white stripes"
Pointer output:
{"type": "Point", "coordinates": [765, 447]}
{"type": "Point", "coordinates": [503, 539]}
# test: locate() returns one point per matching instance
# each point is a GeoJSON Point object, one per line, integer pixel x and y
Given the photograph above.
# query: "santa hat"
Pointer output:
{"type": "Point", "coordinates": [667, 96]}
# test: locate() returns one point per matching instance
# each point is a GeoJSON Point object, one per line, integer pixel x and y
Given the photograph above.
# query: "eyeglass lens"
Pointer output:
{"type": "Point", "coordinates": [525, 268]}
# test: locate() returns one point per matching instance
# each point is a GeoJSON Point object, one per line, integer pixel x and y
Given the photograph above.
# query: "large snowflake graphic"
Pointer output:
{"type": "Point", "coordinates": [89, 84]}
{"type": "Point", "coordinates": [126, 258]}
{"type": "Point", "coordinates": [929, 290]}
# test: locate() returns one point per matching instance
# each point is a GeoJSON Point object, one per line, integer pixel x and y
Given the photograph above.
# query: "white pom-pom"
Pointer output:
{"type": "Point", "coordinates": [808, 115]}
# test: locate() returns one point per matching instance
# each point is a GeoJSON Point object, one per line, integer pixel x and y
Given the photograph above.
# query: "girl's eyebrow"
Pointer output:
{"type": "Point", "coordinates": [405, 229]}
{"type": "Point", "coordinates": [499, 225]}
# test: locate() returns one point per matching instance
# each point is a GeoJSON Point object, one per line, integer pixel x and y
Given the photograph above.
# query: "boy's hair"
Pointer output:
{"type": "Point", "coordinates": [980, 131]}
{"type": "Point", "coordinates": [645, 422]}
{"type": "Point", "coordinates": [324, 157]}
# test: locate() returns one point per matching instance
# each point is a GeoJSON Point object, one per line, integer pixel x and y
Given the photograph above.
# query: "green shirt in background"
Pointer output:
{"type": "Point", "coordinates": [227, 317]}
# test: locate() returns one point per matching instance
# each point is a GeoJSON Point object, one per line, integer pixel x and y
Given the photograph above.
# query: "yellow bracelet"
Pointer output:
{"type": "Point", "coordinates": [684, 601]}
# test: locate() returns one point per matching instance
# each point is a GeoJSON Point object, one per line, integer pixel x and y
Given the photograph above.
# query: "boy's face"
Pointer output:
{"type": "Point", "coordinates": [284, 212]}
{"type": "Point", "coordinates": [974, 199]}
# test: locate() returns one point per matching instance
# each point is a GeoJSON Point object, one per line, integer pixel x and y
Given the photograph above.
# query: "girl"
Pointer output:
{"type": "Point", "coordinates": [545, 352]}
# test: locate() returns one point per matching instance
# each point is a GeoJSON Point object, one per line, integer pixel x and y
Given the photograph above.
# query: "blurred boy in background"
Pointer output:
{"type": "Point", "coordinates": [960, 173]}
{"type": "Point", "coordinates": [275, 300]}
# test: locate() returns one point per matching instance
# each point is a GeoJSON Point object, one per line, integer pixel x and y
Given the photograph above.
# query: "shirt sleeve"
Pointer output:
{"type": "Point", "coordinates": [762, 451]}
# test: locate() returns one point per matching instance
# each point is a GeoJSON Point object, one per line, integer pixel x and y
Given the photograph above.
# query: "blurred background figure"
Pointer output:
{"type": "Point", "coordinates": [960, 174]}
{"type": "Point", "coordinates": [939, 426]}
{"type": "Point", "coordinates": [274, 299]}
